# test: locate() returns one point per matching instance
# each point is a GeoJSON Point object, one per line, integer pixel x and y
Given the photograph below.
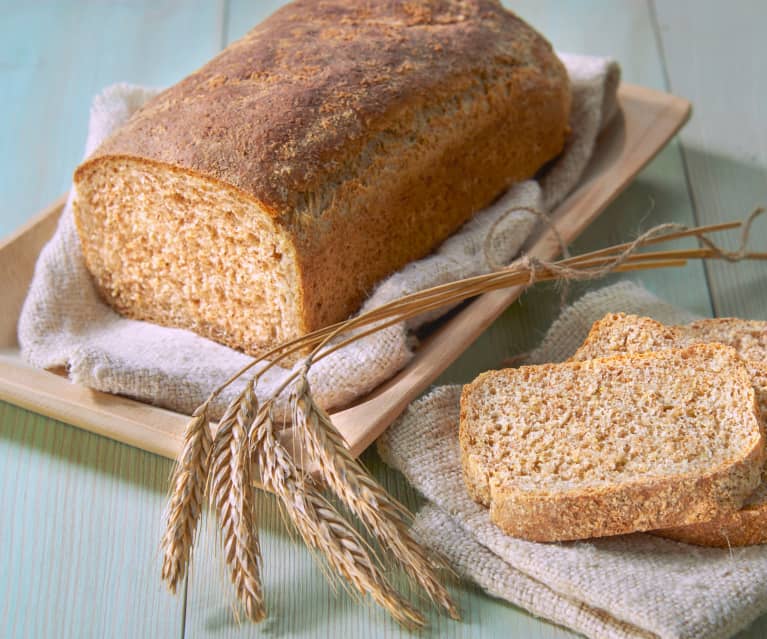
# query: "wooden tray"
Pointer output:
{"type": "Point", "coordinates": [648, 120]}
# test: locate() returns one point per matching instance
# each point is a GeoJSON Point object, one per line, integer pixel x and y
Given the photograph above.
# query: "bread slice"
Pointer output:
{"type": "Point", "coordinates": [621, 333]}
{"type": "Point", "coordinates": [615, 445]}
{"type": "Point", "coordinates": [744, 527]}
{"type": "Point", "coordinates": [618, 333]}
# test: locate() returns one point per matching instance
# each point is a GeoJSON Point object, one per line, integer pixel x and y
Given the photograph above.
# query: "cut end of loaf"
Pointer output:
{"type": "Point", "coordinates": [612, 445]}
{"type": "Point", "coordinates": [179, 250]}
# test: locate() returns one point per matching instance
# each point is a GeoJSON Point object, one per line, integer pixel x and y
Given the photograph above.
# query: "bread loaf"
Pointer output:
{"type": "Point", "coordinates": [615, 445]}
{"type": "Point", "coordinates": [264, 195]}
{"type": "Point", "coordinates": [620, 333]}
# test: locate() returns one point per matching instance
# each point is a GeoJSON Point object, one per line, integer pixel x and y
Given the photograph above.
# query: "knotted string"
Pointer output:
{"type": "Point", "coordinates": [565, 274]}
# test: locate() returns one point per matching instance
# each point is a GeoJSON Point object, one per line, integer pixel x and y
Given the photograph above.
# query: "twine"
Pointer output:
{"type": "Point", "coordinates": [565, 274]}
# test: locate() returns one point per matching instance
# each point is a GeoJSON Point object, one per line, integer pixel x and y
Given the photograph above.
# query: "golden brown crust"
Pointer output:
{"type": "Point", "coordinates": [640, 507]}
{"type": "Point", "coordinates": [284, 110]}
{"type": "Point", "coordinates": [745, 527]}
{"type": "Point", "coordinates": [369, 130]}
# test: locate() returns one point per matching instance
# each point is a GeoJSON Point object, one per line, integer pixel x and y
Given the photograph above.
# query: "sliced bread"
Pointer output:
{"type": "Point", "coordinates": [614, 445]}
{"type": "Point", "coordinates": [618, 333]}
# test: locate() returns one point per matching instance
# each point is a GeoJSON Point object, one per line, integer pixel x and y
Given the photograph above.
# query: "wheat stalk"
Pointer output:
{"type": "Point", "coordinates": [232, 497]}
{"type": "Point", "coordinates": [384, 517]}
{"type": "Point", "coordinates": [184, 509]}
{"type": "Point", "coordinates": [323, 528]}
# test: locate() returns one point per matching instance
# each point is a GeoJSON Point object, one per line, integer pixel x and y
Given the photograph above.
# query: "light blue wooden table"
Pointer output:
{"type": "Point", "coordinates": [81, 514]}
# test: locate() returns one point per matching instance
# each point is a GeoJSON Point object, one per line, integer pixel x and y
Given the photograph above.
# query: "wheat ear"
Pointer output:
{"type": "Point", "coordinates": [384, 517]}
{"type": "Point", "coordinates": [184, 509]}
{"type": "Point", "coordinates": [323, 528]}
{"type": "Point", "coordinates": [233, 497]}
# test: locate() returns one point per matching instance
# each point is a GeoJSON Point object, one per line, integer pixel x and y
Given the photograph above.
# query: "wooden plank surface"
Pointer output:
{"type": "Point", "coordinates": [78, 558]}
{"type": "Point", "coordinates": [80, 527]}
{"type": "Point", "coordinates": [725, 146]}
{"type": "Point", "coordinates": [79, 531]}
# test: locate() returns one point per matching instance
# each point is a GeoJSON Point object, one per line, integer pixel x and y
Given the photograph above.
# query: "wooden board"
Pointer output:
{"type": "Point", "coordinates": [647, 121]}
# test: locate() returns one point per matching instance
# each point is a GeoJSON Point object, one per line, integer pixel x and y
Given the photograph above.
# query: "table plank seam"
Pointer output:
{"type": "Point", "coordinates": [668, 85]}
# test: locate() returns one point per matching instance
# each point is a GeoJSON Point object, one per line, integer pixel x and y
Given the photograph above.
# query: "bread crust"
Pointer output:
{"type": "Point", "coordinates": [639, 507]}
{"type": "Point", "coordinates": [369, 131]}
{"type": "Point", "coordinates": [744, 527]}
{"type": "Point", "coordinates": [643, 505]}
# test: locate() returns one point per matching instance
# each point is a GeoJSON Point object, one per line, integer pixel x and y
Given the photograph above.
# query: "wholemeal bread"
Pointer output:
{"type": "Point", "coordinates": [264, 195]}
{"type": "Point", "coordinates": [620, 333]}
{"type": "Point", "coordinates": [614, 445]}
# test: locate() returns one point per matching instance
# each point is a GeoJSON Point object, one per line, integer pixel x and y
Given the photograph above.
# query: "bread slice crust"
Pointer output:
{"type": "Point", "coordinates": [566, 510]}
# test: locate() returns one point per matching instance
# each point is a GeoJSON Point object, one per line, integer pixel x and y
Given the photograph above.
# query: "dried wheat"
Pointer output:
{"type": "Point", "coordinates": [232, 496]}
{"type": "Point", "coordinates": [323, 528]}
{"type": "Point", "coordinates": [385, 518]}
{"type": "Point", "coordinates": [184, 508]}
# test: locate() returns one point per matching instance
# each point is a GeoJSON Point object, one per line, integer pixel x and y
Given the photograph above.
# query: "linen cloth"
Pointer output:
{"type": "Point", "coordinates": [625, 587]}
{"type": "Point", "coordinates": [65, 323]}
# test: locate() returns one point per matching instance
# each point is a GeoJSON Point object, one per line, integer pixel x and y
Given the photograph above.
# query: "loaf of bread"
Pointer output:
{"type": "Point", "coordinates": [615, 445]}
{"type": "Point", "coordinates": [265, 195]}
{"type": "Point", "coordinates": [620, 333]}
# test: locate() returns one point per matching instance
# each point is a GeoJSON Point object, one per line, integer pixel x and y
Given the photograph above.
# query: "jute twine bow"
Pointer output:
{"type": "Point", "coordinates": [247, 445]}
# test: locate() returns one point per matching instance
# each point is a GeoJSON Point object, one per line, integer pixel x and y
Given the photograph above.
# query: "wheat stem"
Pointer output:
{"type": "Point", "coordinates": [313, 338]}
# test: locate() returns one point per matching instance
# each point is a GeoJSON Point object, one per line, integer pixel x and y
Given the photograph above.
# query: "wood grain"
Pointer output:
{"type": "Point", "coordinates": [80, 531]}
{"type": "Point", "coordinates": [725, 148]}
{"type": "Point", "coordinates": [81, 514]}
